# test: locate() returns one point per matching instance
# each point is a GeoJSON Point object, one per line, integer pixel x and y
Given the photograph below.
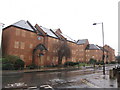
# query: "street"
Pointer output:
{"type": "Point", "coordinates": [83, 78]}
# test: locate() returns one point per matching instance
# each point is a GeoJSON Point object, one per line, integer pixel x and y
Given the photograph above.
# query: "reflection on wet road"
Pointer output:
{"type": "Point", "coordinates": [72, 79]}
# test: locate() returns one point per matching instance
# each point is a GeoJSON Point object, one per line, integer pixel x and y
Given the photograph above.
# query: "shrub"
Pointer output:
{"type": "Point", "coordinates": [32, 66]}
{"type": "Point", "coordinates": [92, 61]}
{"type": "Point", "coordinates": [99, 63]}
{"type": "Point", "coordinates": [19, 64]}
{"type": "Point", "coordinates": [69, 63]}
{"type": "Point", "coordinates": [112, 62]}
{"type": "Point", "coordinates": [12, 62]}
{"type": "Point", "coordinates": [8, 66]}
{"type": "Point", "coordinates": [11, 58]}
{"type": "Point", "coordinates": [5, 61]}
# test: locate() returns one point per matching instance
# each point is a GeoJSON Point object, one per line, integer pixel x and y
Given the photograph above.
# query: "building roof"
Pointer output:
{"type": "Point", "coordinates": [68, 38]}
{"type": "Point", "coordinates": [82, 41]}
{"type": "Point", "coordinates": [24, 25]}
{"type": "Point", "coordinates": [102, 48]}
{"type": "Point", "coordinates": [92, 47]}
{"type": "Point", "coordinates": [59, 33]}
{"type": "Point", "coordinates": [49, 32]}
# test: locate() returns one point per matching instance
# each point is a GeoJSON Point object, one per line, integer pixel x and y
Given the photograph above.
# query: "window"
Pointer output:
{"type": "Point", "coordinates": [30, 57]}
{"type": "Point", "coordinates": [54, 58]}
{"type": "Point", "coordinates": [48, 58]}
{"type": "Point", "coordinates": [22, 45]}
{"type": "Point", "coordinates": [48, 48]}
{"type": "Point", "coordinates": [16, 44]}
{"type": "Point", "coordinates": [17, 32]}
{"type": "Point", "coordinates": [54, 51]}
{"type": "Point", "coordinates": [22, 57]}
{"type": "Point", "coordinates": [23, 33]}
{"type": "Point", "coordinates": [31, 46]}
{"type": "Point", "coordinates": [82, 50]}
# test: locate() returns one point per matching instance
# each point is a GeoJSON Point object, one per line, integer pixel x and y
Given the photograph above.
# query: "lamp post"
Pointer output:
{"type": "Point", "coordinates": [103, 46]}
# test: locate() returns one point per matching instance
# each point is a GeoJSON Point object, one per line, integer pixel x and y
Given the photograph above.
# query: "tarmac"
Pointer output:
{"type": "Point", "coordinates": [97, 80]}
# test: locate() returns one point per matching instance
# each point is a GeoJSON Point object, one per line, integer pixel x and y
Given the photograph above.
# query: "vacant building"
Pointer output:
{"type": "Point", "coordinates": [93, 52]}
{"type": "Point", "coordinates": [82, 44]}
{"type": "Point", "coordinates": [111, 53]}
{"type": "Point", "coordinates": [20, 39]}
{"type": "Point", "coordinates": [44, 47]}
{"type": "Point", "coordinates": [51, 42]}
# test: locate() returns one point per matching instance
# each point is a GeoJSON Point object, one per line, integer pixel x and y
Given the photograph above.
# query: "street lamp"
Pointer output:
{"type": "Point", "coordinates": [103, 46]}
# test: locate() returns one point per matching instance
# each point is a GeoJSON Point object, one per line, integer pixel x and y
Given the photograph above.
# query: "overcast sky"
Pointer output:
{"type": "Point", "coordinates": [73, 17]}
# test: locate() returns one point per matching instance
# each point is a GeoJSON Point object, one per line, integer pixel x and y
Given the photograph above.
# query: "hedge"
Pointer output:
{"type": "Point", "coordinates": [10, 62]}
{"type": "Point", "coordinates": [69, 63]}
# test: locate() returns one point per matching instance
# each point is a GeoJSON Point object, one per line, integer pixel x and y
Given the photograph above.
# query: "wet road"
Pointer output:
{"type": "Point", "coordinates": [71, 79]}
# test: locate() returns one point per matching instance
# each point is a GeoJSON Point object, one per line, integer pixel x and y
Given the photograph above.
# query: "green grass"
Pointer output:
{"type": "Point", "coordinates": [83, 64]}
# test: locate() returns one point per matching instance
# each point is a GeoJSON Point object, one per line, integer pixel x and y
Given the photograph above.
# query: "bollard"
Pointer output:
{"type": "Point", "coordinates": [111, 76]}
{"type": "Point", "coordinates": [114, 72]}
{"type": "Point", "coordinates": [118, 79]}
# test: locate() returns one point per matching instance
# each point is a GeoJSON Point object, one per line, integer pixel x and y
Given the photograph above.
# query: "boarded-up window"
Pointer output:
{"type": "Point", "coordinates": [54, 59]}
{"type": "Point", "coordinates": [30, 57]}
{"type": "Point", "coordinates": [22, 45]}
{"type": "Point", "coordinates": [23, 33]}
{"type": "Point", "coordinates": [22, 57]}
{"type": "Point", "coordinates": [16, 44]}
{"type": "Point", "coordinates": [31, 45]}
{"type": "Point", "coordinates": [48, 58]}
{"type": "Point", "coordinates": [17, 32]}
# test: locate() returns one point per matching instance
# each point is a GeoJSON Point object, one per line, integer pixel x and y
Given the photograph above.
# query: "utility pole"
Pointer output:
{"type": "Point", "coordinates": [103, 46]}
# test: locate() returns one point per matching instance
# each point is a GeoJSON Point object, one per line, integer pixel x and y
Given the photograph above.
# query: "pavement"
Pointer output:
{"type": "Point", "coordinates": [98, 80]}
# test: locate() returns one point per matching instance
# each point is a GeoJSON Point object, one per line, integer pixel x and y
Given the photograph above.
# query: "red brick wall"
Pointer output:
{"type": "Point", "coordinates": [111, 53]}
{"type": "Point", "coordinates": [29, 39]}
{"type": "Point", "coordinates": [95, 54]}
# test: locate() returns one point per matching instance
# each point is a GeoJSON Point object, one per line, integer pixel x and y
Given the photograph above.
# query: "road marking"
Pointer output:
{"type": "Point", "coordinates": [89, 84]}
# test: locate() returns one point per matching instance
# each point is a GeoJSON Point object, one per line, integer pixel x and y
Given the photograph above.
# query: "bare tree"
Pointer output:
{"type": "Point", "coordinates": [63, 50]}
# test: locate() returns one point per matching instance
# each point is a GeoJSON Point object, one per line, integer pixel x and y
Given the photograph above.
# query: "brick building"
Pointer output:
{"type": "Point", "coordinates": [111, 53]}
{"type": "Point", "coordinates": [19, 39]}
{"type": "Point", "coordinates": [94, 52]}
{"type": "Point", "coordinates": [40, 45]}
{"type": "Point", "coordinates": [82, 44]}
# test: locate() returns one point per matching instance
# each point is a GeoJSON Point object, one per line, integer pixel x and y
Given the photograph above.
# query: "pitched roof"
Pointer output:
{"type": "Point", "coordinates": [82, 41]}
{"type": "Point", "coordinates": [102, 48]}
{"type": "Point", "coordinates": [49, 32]}
{"type": "Point", "coordinates": [24, 25]}
{"type": "Point", "coordinates": [59, 33]}
{"type": "Point", "coordinates": [92, 47]}
{"type": "Point", "coordinates": [68, 38]}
